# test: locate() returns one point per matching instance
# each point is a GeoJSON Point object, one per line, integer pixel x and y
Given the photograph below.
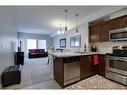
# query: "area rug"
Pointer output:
{"type": "Point", "coordinates": [96, 82]}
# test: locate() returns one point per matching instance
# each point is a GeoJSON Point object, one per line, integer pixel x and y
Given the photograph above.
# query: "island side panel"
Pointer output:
{"type": "Point", "coordinates": [58, 71]}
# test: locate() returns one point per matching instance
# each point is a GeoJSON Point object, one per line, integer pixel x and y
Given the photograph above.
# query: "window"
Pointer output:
{"type": "Point", "coordinates": [31, 44]}
{"type": "Point", "coordinates": [42, 44]}
{"type": "Point", "coordinates": [75, 41]}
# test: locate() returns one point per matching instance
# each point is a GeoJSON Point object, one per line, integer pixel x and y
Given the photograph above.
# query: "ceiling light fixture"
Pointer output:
{"type": "Point", "coordinates": [66, 20]}
{"type": "Point", "coordinates": [59, 31]}
{"type": "Point", "coordinates": [76, 24]}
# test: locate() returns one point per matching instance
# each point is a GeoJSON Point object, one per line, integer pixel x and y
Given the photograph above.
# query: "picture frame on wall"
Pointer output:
{"type": "Point", "coordinates": [63, 43]}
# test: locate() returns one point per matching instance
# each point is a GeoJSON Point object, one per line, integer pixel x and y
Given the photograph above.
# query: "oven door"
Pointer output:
{"type": "Point", "coordinates": [117, 65]}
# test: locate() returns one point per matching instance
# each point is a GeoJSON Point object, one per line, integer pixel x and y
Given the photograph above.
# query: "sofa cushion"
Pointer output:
{"type": "Point", "coordinates": [41, 51]}
{"type": "Point", "coordinates": [33, 51]}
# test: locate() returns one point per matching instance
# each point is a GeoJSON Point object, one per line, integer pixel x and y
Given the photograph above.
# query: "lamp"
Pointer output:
{"type": "Point", "coordinates": [76, 24]}
{"type": "Point", "coordinates": [66, 20]}
{"type": "Point", "coordinates": [59, 31]}
{"type": "Point", "coordinates": [62, 32]}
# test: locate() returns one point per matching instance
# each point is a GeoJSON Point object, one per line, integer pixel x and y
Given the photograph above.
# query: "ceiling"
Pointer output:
{"type": "Point", "coordinates": [47, 19]}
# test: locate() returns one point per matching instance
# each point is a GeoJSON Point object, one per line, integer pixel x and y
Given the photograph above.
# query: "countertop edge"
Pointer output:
{"type": "Point", "coordinates": [75, 54]}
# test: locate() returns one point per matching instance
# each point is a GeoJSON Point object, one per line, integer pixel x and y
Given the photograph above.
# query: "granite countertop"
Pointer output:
{"type": "Point", "coordinates": [69, 54]}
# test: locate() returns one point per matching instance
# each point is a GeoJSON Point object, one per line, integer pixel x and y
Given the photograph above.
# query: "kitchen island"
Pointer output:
{"type": "Point", "coordinates": [70, 67]}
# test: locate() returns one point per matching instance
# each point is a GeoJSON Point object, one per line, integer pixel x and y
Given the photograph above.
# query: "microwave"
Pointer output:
{"type": "Point", "coordinates": [118, 34]}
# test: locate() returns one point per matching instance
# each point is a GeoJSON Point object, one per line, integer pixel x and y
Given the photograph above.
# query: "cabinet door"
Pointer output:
{"type": "Point", "coordinates": [94, 33]}
{"type": "Point", "coordinates": [116, 23]}
{"type": "Point", "coordinates": [125, 21]}
{"type": "Point", "coordinates": [86, 67]}
{"type": "Point", "coordinates": [90, 34]}
{"type": "Point", "coordinates": [101, 65]}
{"type": "Point", "coordinates": [104, 31]}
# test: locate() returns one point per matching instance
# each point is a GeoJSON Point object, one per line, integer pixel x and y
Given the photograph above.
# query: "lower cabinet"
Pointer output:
{"type": "Point", "coordinates": [87, 69]}
{"type": "Point", "coordinates": [82, 67]}
{"type": "Point", "coordinates": [101, 65]}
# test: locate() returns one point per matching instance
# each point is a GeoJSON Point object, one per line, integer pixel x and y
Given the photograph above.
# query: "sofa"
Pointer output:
{"type": "Point", "coordinates": [37, 53]}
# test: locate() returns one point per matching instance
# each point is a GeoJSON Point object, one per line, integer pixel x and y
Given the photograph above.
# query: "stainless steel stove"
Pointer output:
{"type": "Point", "coordinates": [116, 64]}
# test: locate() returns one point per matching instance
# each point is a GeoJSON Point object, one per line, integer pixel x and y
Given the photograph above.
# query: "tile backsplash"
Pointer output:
{"type": "Point", "coordinates": [106, 47]}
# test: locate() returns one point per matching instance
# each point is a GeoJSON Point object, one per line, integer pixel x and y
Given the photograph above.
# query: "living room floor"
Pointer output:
{"type": "Point", "coordinates": [36, 71]}
{"type": "Point", "coordinates": [36, 74]}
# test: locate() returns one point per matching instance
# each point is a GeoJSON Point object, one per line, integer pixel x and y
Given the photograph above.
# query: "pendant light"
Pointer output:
{"type": "Point", "coordinates": [59, 31]}
{"type": "Point", "coordinates": [76, 24]}
{"type": "Point", "coordinates": [66, 20]}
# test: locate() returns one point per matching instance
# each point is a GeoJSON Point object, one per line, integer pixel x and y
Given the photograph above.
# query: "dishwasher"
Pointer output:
{"type": "Point", "coordinates": [71, 70]}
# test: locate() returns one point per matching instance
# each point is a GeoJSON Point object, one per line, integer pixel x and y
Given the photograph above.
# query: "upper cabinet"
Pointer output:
{"type": "Point", "coordinates": [125, 21]}
{"type": "Point", "coordinates": [116, 23]}
{"type": "Point", "coordinates": [94, 33]}
{"type": "Point", "coordinates": [104, 31]}
{"type": "Point", "coordinates": [99, 31]}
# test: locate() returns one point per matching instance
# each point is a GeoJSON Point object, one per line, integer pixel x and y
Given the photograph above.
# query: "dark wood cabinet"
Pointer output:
{"type": "Point", "coordinates": [94, 33]}
{"type": "Point", "coordinates": [86, 67]}
{"type": "Point", "coordinates": [99, 32]}
{"type": "Point", "coordinates": [116, 23]}
{"type": "Point", "coordinates": [58, 71]}
{"type": "Point", "coordinates": [104, 31]}
{"type": "Point", "coordinates": [119, 22]}
{"type": "Point", "coordinates": [85, 64]}
{"type": "Point", "coordinates": [125, 21]}
{"type": "Point", "coordinates": [101, 65]}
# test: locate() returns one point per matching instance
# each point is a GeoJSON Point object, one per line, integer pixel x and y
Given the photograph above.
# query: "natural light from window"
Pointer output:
{"type": "Point", "coordinates": [42, 44]}
{"type": "Point", "coordinates": [31, 44]}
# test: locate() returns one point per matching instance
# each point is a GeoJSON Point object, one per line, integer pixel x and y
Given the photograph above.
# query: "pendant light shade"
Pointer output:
{"type": "Point", "coordinates": [66, 20]}
{"type": "Point", "coordinates": [76, 24]}
{"type": "Point", "coordinates": [59, 31]}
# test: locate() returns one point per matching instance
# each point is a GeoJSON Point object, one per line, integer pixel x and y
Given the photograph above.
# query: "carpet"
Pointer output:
{"type": "Point", "coordinates": [96, 82]}
{"type": "Point", "coordinates": [34, 71]}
